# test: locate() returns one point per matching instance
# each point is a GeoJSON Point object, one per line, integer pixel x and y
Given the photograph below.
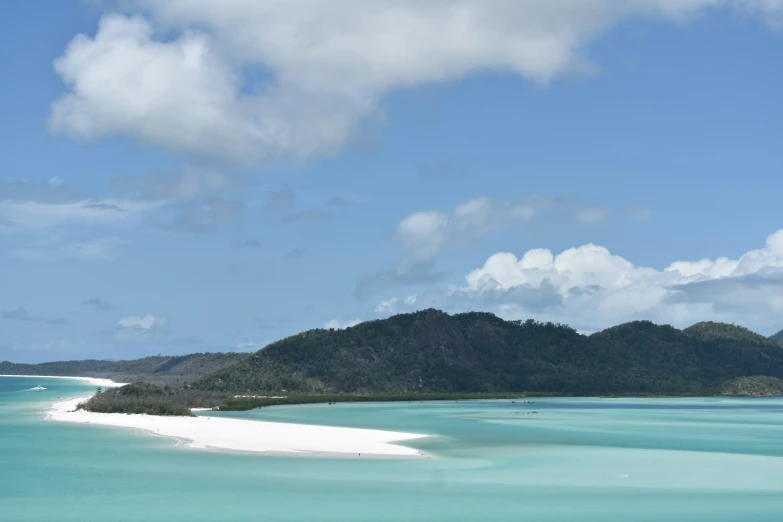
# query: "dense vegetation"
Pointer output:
{"type": "Point", "coordinates": [430, 351]}
{"type": "Point", "coordinates": [249, 403]}
{"type": "Point", "coordinates": [711, 331]}
{"type": "Point", "coordinates": [778, 337]}
{"type": "Point", "coordinates": [157, 369]}
{"type": "Point", "coordinates": [137, 398]}
{"type": "Point", "coordinates": [755, 386]}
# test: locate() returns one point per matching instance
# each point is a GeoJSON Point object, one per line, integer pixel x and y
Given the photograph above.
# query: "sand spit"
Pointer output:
{"type": "Point", "coordinates": [209, 432]}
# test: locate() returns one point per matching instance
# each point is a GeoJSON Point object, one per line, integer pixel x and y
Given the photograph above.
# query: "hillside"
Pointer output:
{"type": "Point", "coordinates": [430, 351]}
{"type": "Point", "coordinates": [711, 331]}
{"type": "Point", "coordinates": [778, 337]}
{"type": "Point", "coordinates": [156, 369]}
{"type": "Point", "coordinates": [754, 386]}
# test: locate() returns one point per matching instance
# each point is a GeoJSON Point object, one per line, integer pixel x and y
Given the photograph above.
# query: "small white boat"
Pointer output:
{"type": "Point", "coordinates": [37, 388]}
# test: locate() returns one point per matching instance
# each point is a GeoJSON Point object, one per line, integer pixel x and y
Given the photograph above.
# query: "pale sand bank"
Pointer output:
{"type": "Point", "coordinates": [106, 383]}
{"type": "Point", "coordinates": [224, 433]}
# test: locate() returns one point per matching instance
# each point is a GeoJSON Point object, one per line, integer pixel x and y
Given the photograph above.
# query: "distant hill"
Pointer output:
{"type": "Point", "coordinates": [436, 353]}
{"type": "Point", "coordinates": [778, 336]}
{"type": "Point", "coordinates": [156, 369]}
{"type": "Point", "coordinates": [711, 331]}
{"type": "Point", "coordinates": [431, 351]}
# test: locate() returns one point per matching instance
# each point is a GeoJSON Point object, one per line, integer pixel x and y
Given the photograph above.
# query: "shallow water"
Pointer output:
{"type": "Point", "coordinates": [574, 460]}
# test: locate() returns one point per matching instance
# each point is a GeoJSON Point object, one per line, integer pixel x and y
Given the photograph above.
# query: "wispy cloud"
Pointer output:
{"type": "Point", "coordinates": [308, 216]}
{"type": "Point", "coordinates": [99, 304]}
{"type": "Point", "coordinates": [639, 213]}
{"type": "Point", "coordinates": [20, 314]}
{"type": "Point", "coordinates": [249, 243]}
{"type": "Point", "coordinates": [296, 253]}
{"type": "Point", "coordinates": [280, 199]}
{"type": "Point", "coordinates": [99, 249]}
{"type": "Point", "coordinates": [338, 201]}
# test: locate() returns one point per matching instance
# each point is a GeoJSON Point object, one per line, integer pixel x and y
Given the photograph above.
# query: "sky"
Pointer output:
{"type": "Point", "coordinates": [182, 176]}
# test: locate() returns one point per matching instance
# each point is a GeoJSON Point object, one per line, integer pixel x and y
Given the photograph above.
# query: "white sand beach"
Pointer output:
{"type": "Point", "coordinates": [208, 432]}
{"type": "Point", "coordinates": [106, 383]}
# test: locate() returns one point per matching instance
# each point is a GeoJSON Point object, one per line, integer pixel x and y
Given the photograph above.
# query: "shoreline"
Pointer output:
{"type": "Point", "coordinates": [248, 436]}
{"type": "Point", "coordinates": [97, 381]}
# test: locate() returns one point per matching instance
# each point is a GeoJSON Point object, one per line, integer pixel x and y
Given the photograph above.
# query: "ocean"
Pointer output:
{"type": "Point", "coordinates": [563, 459]}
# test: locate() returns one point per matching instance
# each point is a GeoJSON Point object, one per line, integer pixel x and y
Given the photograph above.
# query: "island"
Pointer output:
{"type": "Point", "coordinates": [431, 355]}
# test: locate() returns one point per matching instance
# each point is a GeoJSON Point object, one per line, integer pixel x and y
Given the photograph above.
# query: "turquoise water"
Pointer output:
{"type": "Point", "coordinates": [574, 460]}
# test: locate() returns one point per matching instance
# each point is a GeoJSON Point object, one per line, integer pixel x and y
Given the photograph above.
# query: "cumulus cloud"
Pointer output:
{"type": "Point", "coordinates": [337, 325]}
{"type": "Point", "coordinates": [385, 307]}
{"type": "Point", "coordinates": [591, 288]}
{"type": "Point", "coordinates": [426, 234]}
{"type": "Point", "coordinates": [392, 305]}
{"type": "Point", "coordinates": [139, 328]}
{"type": "Point", "coordinates": [327, 65]}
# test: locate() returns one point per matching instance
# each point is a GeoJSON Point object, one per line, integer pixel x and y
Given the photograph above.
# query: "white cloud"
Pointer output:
{"type": "Point", "coordinates": [591, 288]}
{"type": "Point", "coordinates": [37, 215]}
{"type": "Point", "coordinates": [589, 215]}
{"type": "Point", "coordinates": [337, 325]}
{"type": "Point", "coordinates": [99, 249]}
{"type": "Point", "coordinates": [639, 213]}
{"type": "Point", "coordinates": [426, 233]}
{"type": "Point", "coordinates": [386, 307]}
{"type": "Point", "coordinates": [390, 306]}
{"type": "Point", "coordinates": [325, 66]}
{"type": "Point", "coordinates": [250, 345]}
{"type": "Point", "coordinates": [139, 328]}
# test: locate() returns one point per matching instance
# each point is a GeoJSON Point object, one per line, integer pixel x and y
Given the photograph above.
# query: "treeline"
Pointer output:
{"type": "Point", "coordinates": [151, 399]}
{"type": "Point", "coordinates": [249, 403]}
{"type": "Point", "coordinates": [754, 386]}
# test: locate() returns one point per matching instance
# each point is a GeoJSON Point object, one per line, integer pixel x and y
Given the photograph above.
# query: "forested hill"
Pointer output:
{"type": "Point", "coordinates": [431, 351]}
{"type": "Point", "coordinates": [156, 369]}
{"type": "Point", "coordinates": [778, 336]}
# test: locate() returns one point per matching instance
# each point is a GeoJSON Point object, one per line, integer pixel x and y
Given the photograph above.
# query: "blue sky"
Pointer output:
{"type": "Point", "coordinates": [185, 176]}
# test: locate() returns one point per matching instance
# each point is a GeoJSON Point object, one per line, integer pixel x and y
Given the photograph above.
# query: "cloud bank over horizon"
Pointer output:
{"type": "Point", "coordinates": [590, 288]}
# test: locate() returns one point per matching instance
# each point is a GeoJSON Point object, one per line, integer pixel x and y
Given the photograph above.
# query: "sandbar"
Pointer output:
{"type": "Point", "coordinates": [223, 433]}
